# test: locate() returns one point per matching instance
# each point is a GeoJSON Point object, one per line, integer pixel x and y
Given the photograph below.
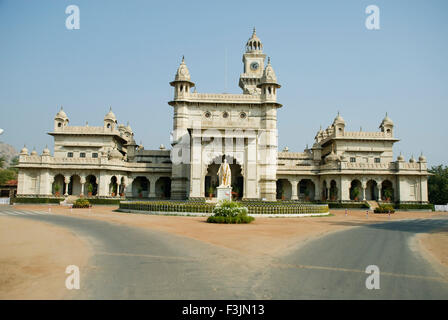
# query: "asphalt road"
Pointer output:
{"type": "Point", "coordinates": [132, 263]}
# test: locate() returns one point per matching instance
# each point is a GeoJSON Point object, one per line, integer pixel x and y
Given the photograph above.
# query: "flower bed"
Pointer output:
{"type": "Point", "coordinates": [254, 207]}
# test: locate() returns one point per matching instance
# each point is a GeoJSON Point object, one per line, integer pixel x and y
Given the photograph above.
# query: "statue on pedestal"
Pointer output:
{"type": "Point", "coordinates": [225, 175]}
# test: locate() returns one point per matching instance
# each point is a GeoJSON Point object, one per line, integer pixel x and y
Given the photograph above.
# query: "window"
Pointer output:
{"type": "Point", "coordinates": [94, 155]}
{"type": "Point", "coordinates": [82, 155]}
{"type": "Point", "coordinates": [59, 124]}
{"type": "Point", "coordinates": [377, 160]}
{"type": "Point", "coordinates": [207, 114]}
{"type": "Point", "coordinates": [352, 159]}
{"type": "Point", "coordinates": [225, 115]}
{"type": "Point", "coordinates": [70, 154]}
{"type": "Point", "coordinates": [243, 115]}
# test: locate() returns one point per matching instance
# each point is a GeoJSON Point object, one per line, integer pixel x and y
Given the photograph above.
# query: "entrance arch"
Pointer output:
{"type": "Point", "coordinates": [307, 190]}
{"type": "Point", "coordinates": [211, 180]}
{"type": "Point", "coordinates": [163, 188]}
{"type": "Point", "coordinates": [74, 186]}
{"type": "Point", "coordinates": [284, 189]}
{"type": "Point", "coordinates": [356, 190]}
{"type": "Point", "coordinates": [140, 187]}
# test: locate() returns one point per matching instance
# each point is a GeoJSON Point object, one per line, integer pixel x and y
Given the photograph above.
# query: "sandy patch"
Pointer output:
{"type": "Point", "coordinates": [265, 236]}
{"type": "Point", "coordinates": [434, 246]}
{"type": "Point", "coordinates": [33, 259]}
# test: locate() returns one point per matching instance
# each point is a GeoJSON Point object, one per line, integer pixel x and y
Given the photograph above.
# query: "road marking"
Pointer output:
{"type": "Point", "coordinates": [125, 254]}
{"type": "Point", "coordinates": [398, 275]}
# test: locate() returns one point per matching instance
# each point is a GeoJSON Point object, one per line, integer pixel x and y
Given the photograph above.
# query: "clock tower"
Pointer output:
{"type": "Point", "coordinates": [253, 60]}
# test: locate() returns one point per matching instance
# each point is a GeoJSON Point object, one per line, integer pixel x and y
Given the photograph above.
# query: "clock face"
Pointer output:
{"type": "Point", "coordinates": [254, 66]}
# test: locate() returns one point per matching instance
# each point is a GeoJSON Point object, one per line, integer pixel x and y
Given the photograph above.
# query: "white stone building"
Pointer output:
{"type": "Point", "coordinates": [106, 162]}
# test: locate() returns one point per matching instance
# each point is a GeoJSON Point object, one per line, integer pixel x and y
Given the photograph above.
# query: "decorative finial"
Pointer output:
{"type": "Point", "coordinates": [183, 59]}
{"type": "Point", "coordinates": [110, 108]}
{"type": "Point", "coordinates": [62, 108]}
{"type": "Point", "coordinates": [360, 129]}
{"type": "Point", "coordinates": [254, 32]}
{"type": "Point", "coordinates": [269, 60]}
{"type": "Point", "coordinates": [87, 123]}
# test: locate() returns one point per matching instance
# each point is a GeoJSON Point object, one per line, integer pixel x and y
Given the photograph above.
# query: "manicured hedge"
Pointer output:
{"type": "Point", "coordinates": [254, 207]}
{"type": "Point", "coordinates": [414, 206]}
{"type": "Point", "coordinates": [103, 201]}
{"type": "Point", "coordinates": [348, 205]}
{"type": "Point", "coordinates": [36, 200]}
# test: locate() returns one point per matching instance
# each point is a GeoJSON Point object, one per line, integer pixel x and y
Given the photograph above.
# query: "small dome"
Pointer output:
{"type": "Point", "coordinates": [254, 43]}
{"type": "Point", "coordinates": [24, 151]}
{"type": "Point", "coordinates": [61, 115]}
{"type": "Point", "coordinates": [339, 120]}
{"type": "Point", "coordinates": [115, 154]}
{"type": "Point", "coordinates": [269, 74]}
{"type": "Point", "coordinates": [422, 158]}
{"type": "Point", "coordinates": [162, 147]}
{"type": "Point", "coordinates": [400, 157]}
{"type": "Point", "coordinates": [412, 160]}
{"type": "Point", "coordinates": [182, 74]}
{"type": "Point", "coordinates": [332, 156]}
{"type": "Point", "coordinates": [285, 149]}
{"type": "Point", "coordinates": [34, 152]}
{"type": "Point", "coordinates": [387, 121]}
{"type": "Point", "coordinates": [110, 116]}
{"type": "Point", "coordinates": [46, 151]}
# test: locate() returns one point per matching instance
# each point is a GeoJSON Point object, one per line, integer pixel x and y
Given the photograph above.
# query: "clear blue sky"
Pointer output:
{"type": "Point", "coordinates": [126, 52]}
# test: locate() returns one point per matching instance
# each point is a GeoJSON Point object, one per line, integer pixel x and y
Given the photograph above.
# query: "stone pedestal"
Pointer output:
{"type": "Point", "coordinates": [224, 193]}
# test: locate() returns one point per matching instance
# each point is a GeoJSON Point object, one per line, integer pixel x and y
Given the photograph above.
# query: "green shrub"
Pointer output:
{"type": "Point", "coordinates": [414, 206]}
{"type": "Point", "coordinates": [37, 200]}
{"type": "Point", "coordinates": [348, 205]}
{"type": "Point", "coordinates": [104, 201]}
{"type": "Point", "coordinates": [81, 203]}
{"type": "Point", "coordinates": [384, 208]}
{"type": "Point", "coordinates": [230, 212]}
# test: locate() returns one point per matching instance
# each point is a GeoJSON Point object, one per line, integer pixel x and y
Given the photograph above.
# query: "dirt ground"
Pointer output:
{"type": "Point", "coordinates": [33, 259]}
{"type": "Point", "coordinates": [435, 247]}
{"type": "Point", "coordinates": [265, 237]}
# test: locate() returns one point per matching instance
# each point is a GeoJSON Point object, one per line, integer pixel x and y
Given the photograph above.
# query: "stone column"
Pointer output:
{"type": "Point", "coordinates": [83, 182]}
{"type": "Point", "coordinates": [328, 193]}
{"type": "Point", "coordinates": [67, 181]}
{"type": "Point", "coordinates": [317, 190]}
{"type": "Point", "coordinates": [128, 188]}
{"type": "Point", "coordinates": [379, 192]}
{"type": "Point", "coordinates": [364, 187]}
{"type": "Point", "coordinates": [152, 187]}
{"type": "Point", "coordinates": [294, 184]}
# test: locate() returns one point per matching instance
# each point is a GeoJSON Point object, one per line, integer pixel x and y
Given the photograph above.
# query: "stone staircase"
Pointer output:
{"type": "Point", "coordinates": [373, 204]}
{"type": "Point", "coordinates": [69, 200]}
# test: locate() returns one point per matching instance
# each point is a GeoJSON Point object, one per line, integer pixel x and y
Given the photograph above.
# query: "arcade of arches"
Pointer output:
{"type": "Point", "coordinates": [310, 189]}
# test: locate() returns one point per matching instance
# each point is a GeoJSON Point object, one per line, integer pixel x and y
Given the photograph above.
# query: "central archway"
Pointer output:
{"type": "Point", "coordinates": [211, 180]}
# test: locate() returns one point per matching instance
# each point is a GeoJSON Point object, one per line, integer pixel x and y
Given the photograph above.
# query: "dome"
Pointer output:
{"type": "Point", "coordinates": [387, 121]}
{"type": "Point", "coordinates": [110, 116]}
{"type": "Point", "coordinates": [412, 160]}
{"type": "Point", "coordinates": [332, 156]}
{"type": "Point", "coordinates": [269, 76]}
{"type": "Point", "coordinates": [34, 152]}
{"type": "Point", "coordinates": [115, 154]}
{"type": "Point", "coordinates": [254, 43]}
{"type": "Point", "coordinates": [24, 150]}
{"type": "Point", "coordinates": [61, 115]}
{"type": "Point", "coordinates": [46, 151]}
{"type": "Point", "coordinates": [285, 149]}
{"type": "Point", "coordinates": [339, 120]}
{"type": "Point", "coordinates": [400, 157]}
{"type": "Point", "coordinates": [182, 74]}
{"type": "Point", "coordinates": [422, 158]}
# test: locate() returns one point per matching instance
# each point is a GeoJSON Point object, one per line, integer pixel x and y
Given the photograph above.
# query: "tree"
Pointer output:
{"type": "Point", "coordinates": [438, 185]}
{"type": "Point", "coordinates": [6, 175]}
{"type": "Point", "coordinates": [2, 161]}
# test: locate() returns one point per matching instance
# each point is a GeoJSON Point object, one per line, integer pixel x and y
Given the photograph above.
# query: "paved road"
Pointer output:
{"type": "Point", "coordinates": [132, 263]}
